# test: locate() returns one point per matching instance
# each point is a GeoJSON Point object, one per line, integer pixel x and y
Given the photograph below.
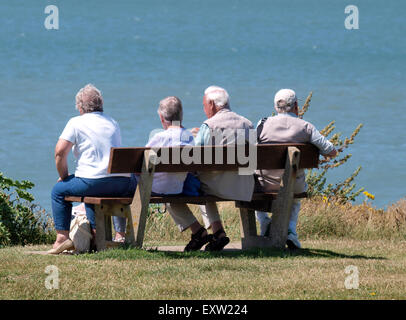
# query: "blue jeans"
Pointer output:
{"type": "Point", "coordinates": [102, 187]}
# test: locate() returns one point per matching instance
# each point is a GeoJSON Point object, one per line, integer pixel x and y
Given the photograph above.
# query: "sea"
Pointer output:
{"type": "Point", "coordinates": [350, 54]}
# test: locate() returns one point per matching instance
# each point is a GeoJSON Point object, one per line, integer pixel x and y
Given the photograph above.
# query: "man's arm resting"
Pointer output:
{"type": "Point", "coordinates": [326, 148]}
{"type": "Point", "coordinates": [62, 150]}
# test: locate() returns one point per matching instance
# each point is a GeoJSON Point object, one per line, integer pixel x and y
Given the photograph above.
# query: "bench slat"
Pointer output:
{"type": "Point", "coordinates": [171, 199]}
{"type": "Point", "coordinates": [269, 156]}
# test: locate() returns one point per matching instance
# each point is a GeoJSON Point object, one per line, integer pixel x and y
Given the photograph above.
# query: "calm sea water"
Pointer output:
{"type": "Point", "coordinates": [138, 52]}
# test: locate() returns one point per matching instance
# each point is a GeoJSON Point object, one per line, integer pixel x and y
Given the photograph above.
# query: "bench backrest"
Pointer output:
{"type": "Point", "coordinates": [212, 158]}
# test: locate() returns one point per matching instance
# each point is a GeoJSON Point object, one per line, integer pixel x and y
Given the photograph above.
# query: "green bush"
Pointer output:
{"type": "Point", "coordinates": [20, 218]}
{"type": "Point", "coordinates": [342, 191]}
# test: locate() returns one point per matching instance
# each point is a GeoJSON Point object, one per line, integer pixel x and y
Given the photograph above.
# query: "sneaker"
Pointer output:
{"type": "Point", "coordinates": [216, 243]}
{"type": "Point", "coordinates": [293, 242]}
{"type": "Point", "coordinates": [197, 240]}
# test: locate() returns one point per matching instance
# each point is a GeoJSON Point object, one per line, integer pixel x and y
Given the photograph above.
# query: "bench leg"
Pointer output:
{"type": "Point", "coordinates": [249, 237]}
{"type": "Point", "coordinates": [100, 228]}
{"type": "Point", "coordinates": [248, 228]}
{"type": "Point", "coordinates": [103, 217]}
{"type": "Point", "coordinates": [282, 206]}
{"type": "Point", "coordinates": [108, 228]}
{"type": "Point", "coordinates": [129, 232]}
{"type": "Point", "coordinates": [140, 204]}
{"type": "Point", "coordinates": [248, 225]}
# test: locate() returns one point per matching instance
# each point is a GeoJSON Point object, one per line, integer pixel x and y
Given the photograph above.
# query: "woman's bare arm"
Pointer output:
{"type": "Point", "coordinates": [62, 150]}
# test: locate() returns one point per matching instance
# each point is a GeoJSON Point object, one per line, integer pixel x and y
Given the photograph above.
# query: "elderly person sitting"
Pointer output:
{"type": "Point", "coordinates": [171, 114]}
{"type": "Point", "coordinates": [284, 128]}
{"type": "Point", "coordinates": [91, 135]}
{"type": "Point", "coordinates": [222, 127]}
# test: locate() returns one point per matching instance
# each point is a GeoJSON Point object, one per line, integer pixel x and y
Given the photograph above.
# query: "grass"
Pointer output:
{"type": "Point", "coordinates": [333, 237]}
{"type": "Point", "coordinates": [316, 272]}
{"type": "Point", "coordinates": [318, 219]}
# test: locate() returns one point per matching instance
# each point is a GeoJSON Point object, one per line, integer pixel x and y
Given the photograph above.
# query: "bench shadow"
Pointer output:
{"type": "Point", "coordinates": [129, 253]}
{"type": "Point", "coordinates": [265, 253]}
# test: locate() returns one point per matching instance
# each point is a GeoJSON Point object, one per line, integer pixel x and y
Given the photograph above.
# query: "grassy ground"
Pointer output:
{"type": "Point", "coordinates": [315, 272]}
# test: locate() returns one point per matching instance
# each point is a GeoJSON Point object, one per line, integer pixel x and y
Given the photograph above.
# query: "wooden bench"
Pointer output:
{"type": "Point", "coordinates": [290, 157]}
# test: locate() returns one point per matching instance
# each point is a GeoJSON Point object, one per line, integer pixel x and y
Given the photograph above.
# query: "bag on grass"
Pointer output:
{"type": "Point", "coordinates": [80, 232]}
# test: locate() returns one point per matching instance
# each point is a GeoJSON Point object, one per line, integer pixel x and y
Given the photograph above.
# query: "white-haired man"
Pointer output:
{"type": "Point", "coordinates": [287, 127]}
{"type": "Point", "coordinates": [222, 127]}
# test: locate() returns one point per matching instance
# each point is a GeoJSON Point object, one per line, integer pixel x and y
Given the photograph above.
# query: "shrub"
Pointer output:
{"type": "Point", "coordinates": [316, 179]}
{"type": "Point", "coordinates": [20, 218]}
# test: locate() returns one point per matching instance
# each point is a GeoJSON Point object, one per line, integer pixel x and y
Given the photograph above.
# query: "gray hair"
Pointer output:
{"type": "Point", "coordinates": [170, 109]}
{"type": "Point", "coordinates": [218, 95]}
{"type": "Point", "coordinates": [89, 99]}
{"type": "Point", "coordinates": [282, 106]}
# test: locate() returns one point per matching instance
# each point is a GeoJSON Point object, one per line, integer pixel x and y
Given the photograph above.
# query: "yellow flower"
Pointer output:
{"type": "Point", "coordinates": [372, 293]}
{"type": "Point", "coordinates": [369, 195]}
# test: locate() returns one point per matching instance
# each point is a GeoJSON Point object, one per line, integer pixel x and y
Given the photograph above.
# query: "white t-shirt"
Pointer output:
{"type": "Point", "coordinates": [92, 135]}
{"type": "Point", "coordinates": [170, 183]}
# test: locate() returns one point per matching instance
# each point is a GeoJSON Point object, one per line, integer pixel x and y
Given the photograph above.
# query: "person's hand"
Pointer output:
{"type": "Point", "coordinates": [60, 179]}
{"type": "Point", "coordinates": [330, 155]}
{"type": "Point", "coordinates": [194, 131]}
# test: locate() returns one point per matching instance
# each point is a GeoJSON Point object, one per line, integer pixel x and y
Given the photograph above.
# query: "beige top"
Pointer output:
{"type": "Point", "coordinates": [278, 129]}
{"type": "Point", "coordinates": [224, 126]}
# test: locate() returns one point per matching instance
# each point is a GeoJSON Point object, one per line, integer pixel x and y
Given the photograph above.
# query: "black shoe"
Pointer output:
{"type": "Point", "coordinates": [197, 241]}
{"type": "Point", "coordinates": [291, 245]}
{"type": "Point", "coordinates": [216, 243]}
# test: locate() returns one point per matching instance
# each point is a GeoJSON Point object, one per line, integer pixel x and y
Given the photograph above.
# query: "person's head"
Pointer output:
{"type": "Point", "coordinates": [170, 112]}
{"type": "Point", "coordinates": [285, 101]}
{"type": "Point", "coordinates": [89, 99]}
{"type": "Point", "coordinates": [215, 98]}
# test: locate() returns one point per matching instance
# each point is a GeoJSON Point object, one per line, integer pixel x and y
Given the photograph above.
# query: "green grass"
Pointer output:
{"type": "Point", "coordinates": [333, 237]}
{"type": "Point", "coordinates": [316, 272]}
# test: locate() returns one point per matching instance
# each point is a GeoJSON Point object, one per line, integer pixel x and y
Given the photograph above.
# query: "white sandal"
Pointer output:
{"type": "Point", "coordinates": [119, 239]}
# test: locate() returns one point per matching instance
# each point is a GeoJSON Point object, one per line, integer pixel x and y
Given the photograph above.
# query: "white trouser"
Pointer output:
{"type": "Point", "coordinates": [183, 217]}
{"type": "Point", "coordinates": [209, 213]}
{"type": "Point", "coordinates": [300, 186]}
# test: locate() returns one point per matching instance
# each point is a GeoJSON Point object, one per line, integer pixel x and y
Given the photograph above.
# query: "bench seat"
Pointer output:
{"type": "Point", "coordinates": [172, 199]}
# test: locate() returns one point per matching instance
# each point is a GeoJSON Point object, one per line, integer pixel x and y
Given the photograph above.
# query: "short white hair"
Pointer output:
{"type": "Point", "coordinates": [170, 109]}
{"type": "Point", "coordinates": [218, 95]}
